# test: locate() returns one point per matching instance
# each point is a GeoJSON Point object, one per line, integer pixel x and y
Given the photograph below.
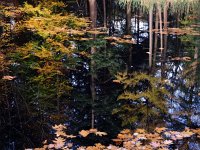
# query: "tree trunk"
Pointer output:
{"type": "Point", "coordinates": [128, 17]}
{"type": "Point", "coordinates": [138, 25]}
{"type": "Point", "coordinates": [128, 30]}
{"type": "Point", "coordinates": [93, 12]}
{"type": "Point", "coordinates": [165, 16]}
{"type": "Point", "coordinates": [93, 17]}
{"type": "Point", "coordinates": [161, 32]}
{"type": "Point", "coordinates": [150, 36]}
{"type": "Point", "coordinates": [104, 14]}
{"type": "Point", "coordinates": [155, 39]}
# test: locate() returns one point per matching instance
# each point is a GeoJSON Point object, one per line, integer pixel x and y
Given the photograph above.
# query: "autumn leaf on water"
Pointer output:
{"type": "Point", "coordinates": [59, 142]}
{"type": "Point", "coordinates": [168, 142]}
{"type": "Point", "coordinates": [125, 131]}
{"type": "Point", "coordinates": [140, 131]}
{"type": "Point", "coordinates": [50, 146]}
{"type": "Point", "coordinates": [116, 81]}
{"type": "Point", "coordinates": [60, 133]}
{"type": "Point", "coordinates": [71, 136]}
{"type": "Point", "coordinates": [84, 133]}
{"type": "Point", "coordinates": [8, 77]}
{"type": "Point", "coordinates": [93, 130]}
{"type": "Point", "coordinates": [187, 134]}
{"type": "Point", "coordinates": [100, 133]}
{"type": "Point", "coordinates": [159, 130]}
{"type": "Point", "coordinates": [197, 131]}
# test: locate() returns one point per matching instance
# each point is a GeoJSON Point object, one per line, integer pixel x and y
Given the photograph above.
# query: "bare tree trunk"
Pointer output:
{"type": "Point", "coordinates": [165, 40]}
{"type": "Point", "coordinates": [165, 27]}
{"type": "Point", "coordinates": [128, 17]}
{"type": "Point", "coordinates": [161, 32]}
{"type": "Point", "coordinates": [93, 17]}
{"type": "Point", "coordinates": [150, 36]}
{"type": "Point", "coordinates": [93, 12]}
{"type": "Point", "coordinates": [128, 29]}
{"type": "Point", "coordinates": [165, 16]}
{"type": "Point", "coordinates": [138, 25]}
{"type": "Point", "coordinates": [155, 39]}
{"type": "Point", "coordinates": [104, 14]}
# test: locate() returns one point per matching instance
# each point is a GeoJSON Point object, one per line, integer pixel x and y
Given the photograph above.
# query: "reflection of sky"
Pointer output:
{"type": "Point", "coordinates": [143, 26]}
{"type": "Point", "coordinates": [174, 76]}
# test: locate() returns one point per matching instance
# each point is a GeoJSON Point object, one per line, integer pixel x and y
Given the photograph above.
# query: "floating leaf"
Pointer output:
{"type": "Point", "coordinates": [116, 81]}
{"type": "Point", "coordinates": [168, 142]}
{"type": "Point", "coordinates": [71, 136]}
{"type": "Point", "coordinates": [100, 133]}
{"type": "Point", "coordinates": [60, 133]}
{"type": "Point", "coordinates": [59, 142]}
{"type": "Point", "coordinates": [84, 133]}
{"type": "Point", "coordinates": [159, 130]}
{"type": "Point", "coordinates": [8, 77]}
{"type": "Point", "coordinates": [93, 130]}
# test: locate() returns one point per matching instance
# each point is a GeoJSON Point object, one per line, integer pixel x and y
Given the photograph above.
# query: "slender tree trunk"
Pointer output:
{"type": "Point", "coordinates": [128, 17]}
{"type": "Point", "coordinates": [128, 30]}
{"type": "Point", "coordinates": [93, 17]}
{"type": "Point", "coordinates": [165, 40]}
{"type": "Point", "coordinates": [138, 25]}
{"type": "Point", "coordinates": [161, 32]}
{"type": "Point", "coordinates": [155, 39]}
{"type": "Point", "coordinates": [150, 36]}
{"type": "Point", "coordinates": [165, 16]}
{"type": "Point", "coordinates": [86, 7]}
{"type": "Point", "coordinates": [104, 14]}
{"type": "Point", "coordinates": [165, 27]}
{"type": "Point", "coordinates": [93, 12]}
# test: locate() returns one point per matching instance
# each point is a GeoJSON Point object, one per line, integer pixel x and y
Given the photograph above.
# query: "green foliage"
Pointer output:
{"type": "Point", "coordinates": [40, 53]}
{"type": "Point", "coordinates": [142, 100]}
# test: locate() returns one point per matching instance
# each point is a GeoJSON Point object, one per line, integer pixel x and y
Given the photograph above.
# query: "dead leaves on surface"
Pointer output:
{"type": "Point", "coordinates": [85, 133]}
{"type": "Point", "coordinates": [8, 77]}
{"type": "Point", "coordinates": [139, 139]}
{"type": "Point", "coordinates": [160, 139]}
{"type": "Point", "coordinates": [186, 59]}
{"type": "Point", "coordinates": [180, 31]}
{"type": "Point", "coordinates": [115, 40]}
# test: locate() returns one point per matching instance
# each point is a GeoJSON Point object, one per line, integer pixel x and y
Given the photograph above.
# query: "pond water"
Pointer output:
{"type": "Point", "coordinates": [177, 64]}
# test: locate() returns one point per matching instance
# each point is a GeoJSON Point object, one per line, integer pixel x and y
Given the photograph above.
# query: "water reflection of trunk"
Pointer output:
{"type": "Point", "coordinates": [155, 40]}
{"type": "Point", "coordinates": [128, 30]}
{"type": "Point", "coordinates": [194, 74]}
{"type": "Point", "coordinates": [93, 17]}
{"type": "Point", "coordinates": [165, 41]}
{"type": "Point", "coordinates": [150, 35]}
{"type": "Point", "coordinates": [104, 14]}
{"type": "Point", "coordinates": [160, 20]}
{"type": "Point", "coordinates": [138, 25]}
{"type": "Point", "coordinates": [128, 17]}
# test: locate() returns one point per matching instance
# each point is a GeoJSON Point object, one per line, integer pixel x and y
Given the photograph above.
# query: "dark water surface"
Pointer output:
{"type": "Point", "coordinates": [177, 65]}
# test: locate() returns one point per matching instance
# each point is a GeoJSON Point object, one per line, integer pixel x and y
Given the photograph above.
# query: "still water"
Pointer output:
{"type": "Point", "coordinates": [177, 64]}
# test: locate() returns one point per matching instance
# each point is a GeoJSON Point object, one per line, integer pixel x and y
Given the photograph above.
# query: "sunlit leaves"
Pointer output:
{"type": "Point", "coordinates": [8, 77]}
{"type": "Point", "coordinates": [85, 133]}
{"type": "Point", "coordinates": [142, 93]}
